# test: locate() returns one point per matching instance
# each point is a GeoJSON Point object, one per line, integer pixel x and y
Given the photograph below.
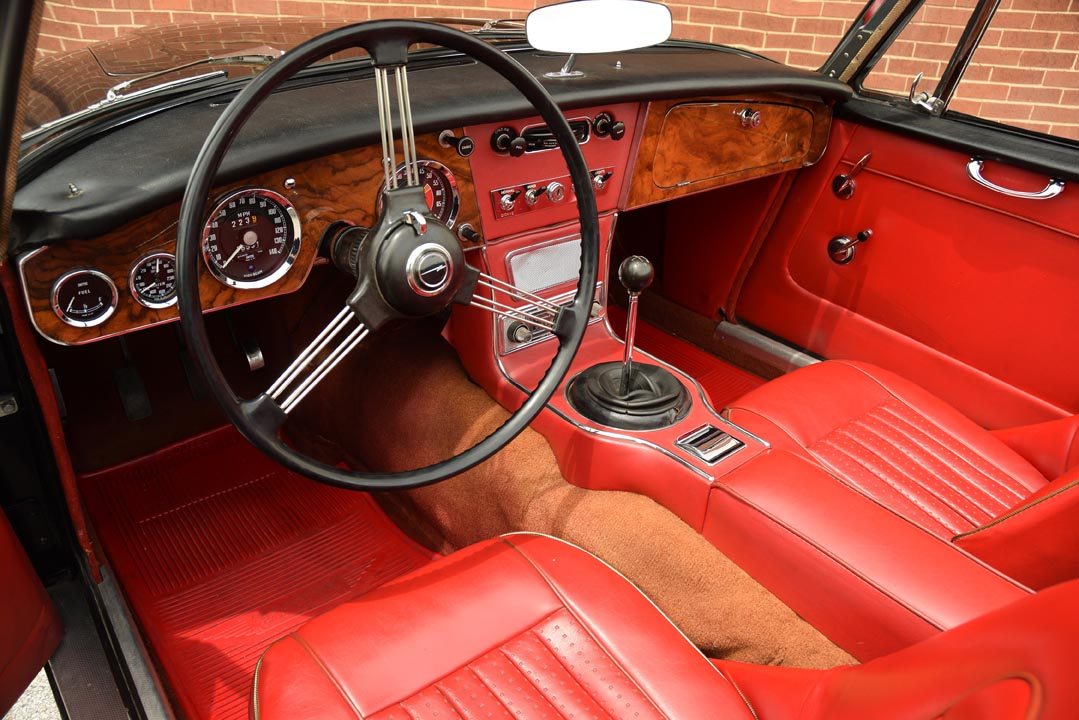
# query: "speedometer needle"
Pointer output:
{"type": "Point", "coordinates": [233, 255]}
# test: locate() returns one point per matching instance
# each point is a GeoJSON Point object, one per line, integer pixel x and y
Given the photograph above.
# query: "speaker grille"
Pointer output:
{"type": "Point", "coordinates": [544, 267]}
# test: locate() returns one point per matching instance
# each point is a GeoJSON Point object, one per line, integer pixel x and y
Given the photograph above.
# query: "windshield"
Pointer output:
{"type": "Point", "coordinates": [85, 51]}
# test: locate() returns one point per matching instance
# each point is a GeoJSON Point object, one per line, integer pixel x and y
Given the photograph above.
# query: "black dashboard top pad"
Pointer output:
{"type": "Point", "coordinates": [148, 161]}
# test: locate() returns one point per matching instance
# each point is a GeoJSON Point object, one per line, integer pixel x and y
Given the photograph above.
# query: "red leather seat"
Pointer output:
{"type": "Point", "coordinates": [909, 451]}
{"type": "Point", "coordinates": [526, 626]}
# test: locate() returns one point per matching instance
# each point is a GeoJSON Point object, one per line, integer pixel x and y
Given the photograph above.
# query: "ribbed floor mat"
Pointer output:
{"type": "Point", "coordinates": [221, 552]}
{"type": "Point", "coordinates": [723, 382]}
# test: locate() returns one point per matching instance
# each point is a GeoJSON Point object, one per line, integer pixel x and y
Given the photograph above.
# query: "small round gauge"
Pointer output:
{"type": "Point", "coordinates": [439, 187]}
{"type": "Point", "coordinates": [251, 239]}
{"type": "Point", "coordinates": [84, 298]}
{"type": "Point", "coordinates": [153, 280]}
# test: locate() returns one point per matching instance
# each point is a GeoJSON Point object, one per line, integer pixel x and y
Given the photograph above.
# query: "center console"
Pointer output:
{"type": "Point", "coordinates": [622, 420]}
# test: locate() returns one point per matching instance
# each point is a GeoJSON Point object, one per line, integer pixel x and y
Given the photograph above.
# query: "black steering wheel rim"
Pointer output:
{"type": "Point", "coordinates": [387, 42]}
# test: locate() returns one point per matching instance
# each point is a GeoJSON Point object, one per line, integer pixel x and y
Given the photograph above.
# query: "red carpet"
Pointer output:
{"type": "Point", "coordinates": [221, 552]}
{"type": "Point", "coordinates": [723, 382]}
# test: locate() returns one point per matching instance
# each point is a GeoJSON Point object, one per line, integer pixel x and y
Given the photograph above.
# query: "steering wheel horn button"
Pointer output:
{"type": "Point", "coordinates": [429, 269]}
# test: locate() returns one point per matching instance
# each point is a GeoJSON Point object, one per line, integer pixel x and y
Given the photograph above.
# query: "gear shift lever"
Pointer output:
{"type": "Point", "coordinates": [628, 395]}
{"type": "Point", "coordinates": [636, 274]}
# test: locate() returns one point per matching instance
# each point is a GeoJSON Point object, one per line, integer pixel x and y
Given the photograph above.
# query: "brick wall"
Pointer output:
{"type": "Point", "coordinates": [1025, 73]}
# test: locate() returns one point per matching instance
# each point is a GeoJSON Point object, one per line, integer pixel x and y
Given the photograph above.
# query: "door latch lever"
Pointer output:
{"type": "Point", "coordinates": [843, 184]}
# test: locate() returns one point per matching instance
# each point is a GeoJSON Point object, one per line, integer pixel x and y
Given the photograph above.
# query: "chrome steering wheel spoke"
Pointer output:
{"type": "Point", "coordinates": [318, 359]}
{"type": "Point", "coordinates": [493, 295]}
{"type": "Point", "coordinates": [386, 128]}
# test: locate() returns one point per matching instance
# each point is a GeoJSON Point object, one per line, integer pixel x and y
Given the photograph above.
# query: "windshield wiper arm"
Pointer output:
{"type": "Point", "coordinates": [116, 92]}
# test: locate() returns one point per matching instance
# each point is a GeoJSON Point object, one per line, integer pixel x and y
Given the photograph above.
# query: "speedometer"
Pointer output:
{"type": "Point", "coordinates": [439, 188]}
{"type": "Point", "coordinates": [252, 238]}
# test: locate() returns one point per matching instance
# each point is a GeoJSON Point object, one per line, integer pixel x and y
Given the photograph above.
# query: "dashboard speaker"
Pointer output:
{"type": "Point", "coordinates": [538, 268]}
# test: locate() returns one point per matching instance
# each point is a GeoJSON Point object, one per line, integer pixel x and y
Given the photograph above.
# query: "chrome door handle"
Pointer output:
{"type": "Point", "coordinates": [974, 170]}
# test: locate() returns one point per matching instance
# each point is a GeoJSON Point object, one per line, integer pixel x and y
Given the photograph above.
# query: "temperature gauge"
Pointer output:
{"type": "Point", "coordinates": [153, 280]}
{"type": "Point", "coordinates": [84, 298]}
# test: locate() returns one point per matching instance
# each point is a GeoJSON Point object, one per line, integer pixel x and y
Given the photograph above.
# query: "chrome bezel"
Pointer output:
{"type": "Point", "coordinates": [131, 281]}
{"type": "Point", "coordinates": [286, 263]}
{"type": "Point", "coordinates": [412, 269]}
{"type": "Point", "coordinates": [455, 195]}
{"type": "Point", "coordinates": [62, 314]}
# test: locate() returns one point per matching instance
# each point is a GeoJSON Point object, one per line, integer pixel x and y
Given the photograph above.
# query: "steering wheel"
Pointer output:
{"type": "Point", "coordinates": [408, 266]}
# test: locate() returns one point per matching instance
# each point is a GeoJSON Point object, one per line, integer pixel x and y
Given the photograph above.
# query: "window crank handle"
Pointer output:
{"type": "Point", "coordinates": [841, 248]}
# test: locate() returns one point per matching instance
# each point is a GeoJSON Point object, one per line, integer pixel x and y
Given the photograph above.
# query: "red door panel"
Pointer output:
{"type": "Point", "coordinates": [966, 291]}
{"type": "Point", "coordinates": [29, 627]}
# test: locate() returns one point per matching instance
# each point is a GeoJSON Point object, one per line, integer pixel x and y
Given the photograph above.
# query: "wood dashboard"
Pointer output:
{"type": "Point", "coordinates": [339, 187]}
{"type": "Point", "coordinates": [673, 148]}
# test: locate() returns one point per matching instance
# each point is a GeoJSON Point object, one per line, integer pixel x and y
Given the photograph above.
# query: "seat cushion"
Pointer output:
{"type": "Point", "coordinates": [521, 626]}
{"type": "Point", "coordinates": [892, 441]}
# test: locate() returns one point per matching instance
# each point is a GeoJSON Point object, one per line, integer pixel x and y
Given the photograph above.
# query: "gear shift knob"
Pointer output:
{"type": "Point", "coordinates": [636, 273]}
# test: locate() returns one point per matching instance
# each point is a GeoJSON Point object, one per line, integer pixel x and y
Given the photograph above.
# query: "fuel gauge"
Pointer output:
{"type": "Point", "coordinates": [84, 298]}
{"type": "Point", "coordinates": [153, 280]}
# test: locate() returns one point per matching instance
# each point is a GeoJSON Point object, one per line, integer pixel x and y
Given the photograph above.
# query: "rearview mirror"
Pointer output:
{"type": "Point", "coordinates": [598, 26]}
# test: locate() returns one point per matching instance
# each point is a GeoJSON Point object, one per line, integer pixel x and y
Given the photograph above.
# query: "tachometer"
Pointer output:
{"type": "Point", "coordinates": [153, 280]}
{"type": "Point", "coordinates": [252, 238]}
{"type": "Point", "coordinates": [84, 298]}
{"type": "Point", "coordinates": [440, 189]}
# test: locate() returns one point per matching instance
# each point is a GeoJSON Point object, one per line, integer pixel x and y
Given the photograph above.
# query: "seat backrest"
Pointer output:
{"type": "Point", "coordinates": [1037, 541]}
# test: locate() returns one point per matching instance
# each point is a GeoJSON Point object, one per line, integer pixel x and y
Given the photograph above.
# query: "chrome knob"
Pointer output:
{"type": "Point", "coordinates": [841, 248]}
{"type": "Point", "coordinates": [750, 118]}
{"type": "Point", "coordinates": [556, 191]}
{"type": "Point", "coordinates": [532, 195]}
{"type": "Point", "coordinates": [508, 200]}
{"type": "Point", "coordinates": [518, 332]}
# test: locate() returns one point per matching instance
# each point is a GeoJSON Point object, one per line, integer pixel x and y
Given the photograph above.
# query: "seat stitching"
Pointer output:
{"type": "Point", "coordinates": [907, 405]}
{"type": "Point", "coordinates": [505, 538]}
{"type": "Point", "coordinates": [570, 672]}
{"type": "Point", "coordinates": [584, 625]}
{"type": "Point", "coordinates": [466, 665]}
{"type": "Point", "coordinates": [535, 687]}
{"type": "Point", "coordinates": [931, 474]}
{"type": "Point", "coordinates": [996, 480]}
{"type": "Point", "coordinates": [877, 472]}
{"type": "Point", "coordinates": [330, 675]}
{"type": "Point", "coordinates": [929, 450]}
{"type": "Point", "coordinates": [449, 700]}
{"type": "Point", "coordinates": [489, 688]}
{"type": "Point", "coordinates": [1017, 511]}
{"type": "Point", "coordinates": [913, 500]}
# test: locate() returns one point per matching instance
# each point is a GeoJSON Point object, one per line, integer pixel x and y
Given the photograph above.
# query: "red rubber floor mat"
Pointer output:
{"type": "Point", "coordinates": [221, 551]}
{"type": "Point", "coordinates": [723, 382]}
